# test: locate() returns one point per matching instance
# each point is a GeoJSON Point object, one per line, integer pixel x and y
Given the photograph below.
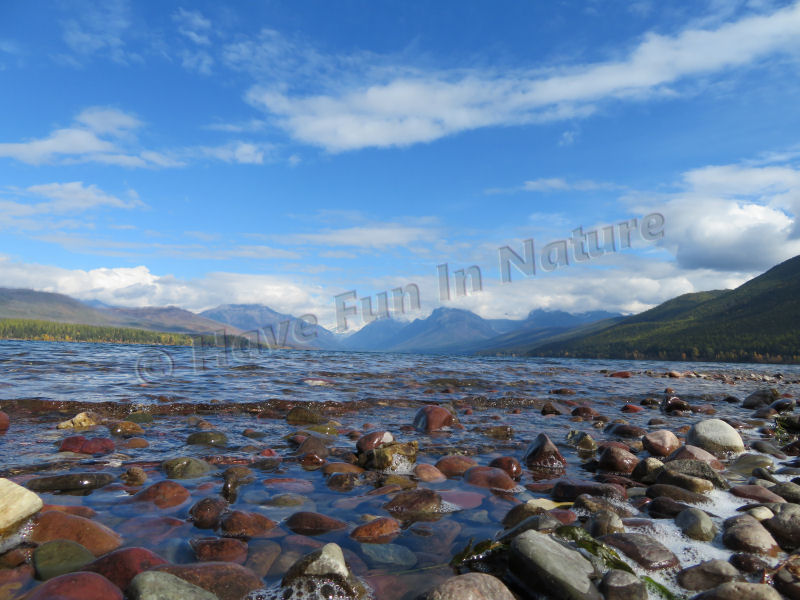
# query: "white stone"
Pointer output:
{"type": "Point", "coordinates": [16, 504]}
{"type": "Point", "coordinates": [715, 436]}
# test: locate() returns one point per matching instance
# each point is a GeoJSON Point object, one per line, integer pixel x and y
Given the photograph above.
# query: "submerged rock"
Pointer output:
{"type": "Point", "coordinates": [157, 585]}
{"type": "Point", "coordinates": [471, 586]}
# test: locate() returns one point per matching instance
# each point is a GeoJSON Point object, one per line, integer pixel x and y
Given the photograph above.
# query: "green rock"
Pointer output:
{"type": "Point", "coordinates": [390, 456]}
{"type": "Point", "coordinates": [185, 467]}
{"type": "Point", "coordinates": [156, 585]}
{"type": "Point", "coordinates": [300, 415]}
{"type": "Point", "coordinates": [207, 438]}
{"type": "Point", "coordinates": [140, 417]}
{"type": "Point", "coordinates": [389, 554]}
{"type": "Point", "coordinates": [325, 429]}
{"type": "Point", "coordinates": [59, 557]}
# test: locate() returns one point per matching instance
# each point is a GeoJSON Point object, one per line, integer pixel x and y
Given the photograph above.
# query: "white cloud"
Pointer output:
{"type": "Point", "coordinates": [99, 29]}
{"type": "Point", "coordinates": [406, 106]}
{"type": "Point", "coordinates": [556, 184]}
{"type": "Point", "coordinates": [373, 236]}
{"type": "Point", "coordinates": [237, 152]}
{"type": "Point", "coordinates": [193, 25]}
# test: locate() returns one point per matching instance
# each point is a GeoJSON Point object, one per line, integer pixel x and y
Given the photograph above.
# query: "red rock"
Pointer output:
{"type": "Point", "coordinates": [164, 494]}
{"type": "Point", "coordinates": [566, 516]}
{"type": "Point", "coordinates": [631, 408]}
{"type": "Point", "coordinates": [121, 566]}
{"type": "Point", "coordinates": [373, 440]}
{"type": "Point", "coordinates": [420, 501]}
{"type": "Point", "coordinates": [543, 454]}
{"type": "Point", "coordinates": [584, 411]}
{"type": "Point", "coordinates": [76, 586]}
{"type": "Point", "coordinates": [268, 452]}
{"type": "Point", "coordinates": [81, 511]}
{"type": "Point", "coordinates": [152, 530]}
{"type": "Point", "coordinates": [463, 500]}
{"type": "Point", "coordinates": [243, 524]}
{"type": "Point", "coordinates": [134, 443]}
{"type": "Point", "coordinates": [311, 523]}
{"type": "Point", "coordinates": [207, 512]}
{"type": "Point", "coordinates": [341, 467]}
{"type": "Point", "coordinates": [227, 581]}
{"type": "Point", "coordinates": [97, 446]}
{"type": "Point", "coordinates": [455, 465]}
{"type": "Point", "coordinates": [693, 452]}
{"type": "Point", "coordinates": [311, 461]}
{"type": "Point", "coordinates": [617, 460]}
{"type": "Point", "coordinates": [377, 531]}
{"type": "Point", "coordinates": [219, 549]}
{"type": "Point", "coordinates": [56, 525]}
{"type": "Point", "coordinates": [4, 421]}
{"type": "Point", "coordinates": [428, 473]}
{"type": "Point", "coordinates": [73, 443]}
{"type": "Point", "coordinates": [755, 492]}
{"type": "Point", "coordinates": [509, 464]}
{"type": "Point", "coordinates": [625, 430]}
{"type": "Point", "coordinates": [434, 418]}
{"type": "Point", "coordinates": [661, 443]}
{"type": "Point", "coordinates": [621, 374]}
{"type": "Point", "coordinates": [489, 477]}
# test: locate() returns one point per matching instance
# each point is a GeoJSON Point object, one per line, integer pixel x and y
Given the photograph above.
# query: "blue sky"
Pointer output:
{"type": "Point", "coordinates": [156, 153]}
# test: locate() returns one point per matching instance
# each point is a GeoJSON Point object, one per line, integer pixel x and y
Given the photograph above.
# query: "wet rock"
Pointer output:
{"type": "Point", "coordinates": [584, 412]}
{"type": "Point", "coordinates": [673, 405]}
{"type": "Point", "coordinates": [207, 512]}
{"type": "Point", "coordinates": [489, 477]}
{"type": "Point", "coordinates": [125, 429]}
{"type": "Point", "coordinates": [82, 420]}
{"type": "Point", "coordinates": [787, 490]}
{"type": "Point", "coordinates": [373, 440]}
{"type": "Point", "coordinates": [4, 421]}
{"type": "Point", "coordinates": [185, 467]}
{"type": "Point", "coordinates": [509, 464]}
{"type": "Point", "coordinates": [389, 554]}
{"type": "Point", "coordinates": [327, 570]}
{"type": "Point", "coordinates": [755, 492]}
{"type": "Point", "coordinates": [164, 494]}
{"type": "Point", "coordinates": [647, 470]}
{"type": "Point", "coordinates": [428, 473]}
{"type": "Point", "coordinates": [455, 465]}
{"type": "Point", "coordinates": [617, 460]}
{"type": "Point", "coordinates": [497, 432]}
{"type": "Point", "coordinates": [76, 586]}
{"type": "Point", "coordinates": [678, 494]}
{"type": "Point", "coordinates": [621, 585]}
{"type": "Point", "coordinates": [621, 374]}
{"type": "Point", "coordinates": [787, 578]}
{"type": "Point", "coordinates": [743, 533]}
{"type": "Point", "coordinates": [59, 557]}
{"type": "Point", "coordinates": [661, 443]}
{"type": "Point", "coordinates": [234, 477]}
{"type": "Point", "coordinates": [241, 524]}
{"type": "Point", "coordinates": [665, 508]}
{"type": "Point", "coordinates": [311, 523]}
{"type": "Point", "coordinates": [567, 490]}
{"type": "Point", "coordinates": [261, 556]}
{"type": "Point", "coordinates": [544, 523]}
{"type": "Point", "coordinates": [56, 525]}
{"type": "Point", "coordinates": [696, 524]}
{"type": "Point", "coordinates": [749, 563]}
{"type": "Point", "coordinates": [16, 504]}
{"type": "Point", "coordinates": [698, 468]}
{"type": "Point", "coordinates": [687, 482]}
{"type": "Point", "coordinates": [785, 525]}
{"type": "Point", "coordinates": [219, 549]}
{"type": "Point", "coordinates": [582, 441]}
{"type": "Point", "coordinates": [471, 586]}
{"type": "Point", "coordinates": [715, 436]}
{"type": "Point", "coordinates": [134, 476]}
{"type": "Point", "coordinates": [121, 566]}
{"type": "Point", "coordinates": [417, 503]}
{"type": "Point", "coordinates": [625, 430]}
{"type": "Point", "coordinates": [392, 456]}
{"type": "Point", "coordinates": [520, 512]}
{"type": "Point", "coordinates": [227, 581]}
{"type": "Point", "coordinates": [313, 445]}
{"type": "Point", "coordinates": [301, 415]}
{"type": "Point", "coordinates": [707, 575]}
{"type": "Point", "coordinates": [648, 552]}
{"type": "Point", "coordinates": [434, 418]}
{"type": "Point", "coordinates": [604, 522]}
{"type": "Point", "coordinates": [330, 468]}
{"type": "Point", "coordinates": [759, 398]}
{"type": "Point", "coordinates": [541, 563]}
{"type": "Point", "coordinates": [740, 591]}
{"type": "Point", "coordinates": [760, 513]}
{"type": "Point", "coordinates": [157, 585]}
{"type": "Point", "coordinates": [554, 408]}
{"type": "Point", "coordinates": [746, 463]}
{"type": "Point", "coordinates": [592, 504]}
{"type": "Point", "coordinates": [689, 452]}
{"type": "Point", "coordinates": [542, 453]}
{"type": "Point", "coordinates": [78, 443]}
{"type": "Point", "coordinates": [378, 531]}
{"type": "Point", "coordinates": [207, 438]}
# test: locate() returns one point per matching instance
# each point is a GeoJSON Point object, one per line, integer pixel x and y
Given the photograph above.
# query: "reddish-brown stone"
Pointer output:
{"type": "Point", "coordinates": [81, 511]}
{"type": "Point", "coordinates": [434, 418]}
{"type": "Point", "coordinates": [373, 439]}
{"type": "Point", "coordinates": [134, 443]}
{"type": "Point", "coordinates": [207, 512]}
{"type": "Point", "coordinates": [509, 464]}
{"type": "Point", "coordinates": [4, 421]}
{"type": "Point", "coordinates": [661, 443]}
{"type": "Point", "coordinates": [617, 460]}
{"type": "Point", "coordinates": [489, 477]}
{"type": "Point", "coordinates": [756, 492]}
{"type": "Point", "coordinates": [621, 374]}
{"type": "Point", "coordinates": [377, 531]}
{"type": "Point", "coordinates": [695, 453]}
{"type": "Point", "coordinates": [632, 408]}
{"type": "Point", "coordinates": [584, 411]}
{"type": "Point", "coordinates": [56, 525]}
{"type": "Point", "coordinates": [164, 494]}
{"type": "Point", "coordinates": [311, 523]}
{"type": "Point", "coordinates": [97, 446]}
{"type": "Point", "coordinates": [219, 549]}
{"type": "Point", "coordinates": [428, 473]}
{"type": "Point", "coordinates": [76, 586]}
{"type": "Point", "coordinates": [455, 465]}
{"type": "Point", "coordinates": [243, 524]}
{"type": "Point", "coordinates": [542, 453]}
{"type": "Point", "coordinates": [227, 581]}
{"type": "Point", "coordinates": [121, 566]}
{"type": "Point", "coordinates": [73, 443]}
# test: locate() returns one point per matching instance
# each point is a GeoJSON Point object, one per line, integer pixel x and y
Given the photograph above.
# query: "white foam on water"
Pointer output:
{"type": "Point", "coordinates": [448, 507]}
{"type": "Point", "coordinates": [15, 538]}
{"type": "Point", "coordinates": [317, 588]}
{"type": "Point", "coordinates": [400, 466]}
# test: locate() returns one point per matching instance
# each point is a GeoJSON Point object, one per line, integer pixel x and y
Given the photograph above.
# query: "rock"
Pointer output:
{"type": "Point", "coordinates": [227, 581]}
{"type": "Point", "coordinates": [389, 554]}
{"type": "Point", "coordinates": [243, 524]}
{"type": "Point", "coordinates": [391, 457]}
{"type": "Point", "coordinates": [455, 465]}
{"type": "Point", "coordinates": [604, 522]}
{"type": "Point", "coordinates": [327, 569]}
{"type": "Point", "coordinates": [743, 533]}
{"type": "Point", "coordinates": [59, 557]}
{"type": "Point", "coordinates": [125, 428]}
{"type": "Point", "coordinates": [509, 464]}
{"type": "Point", "coordinates": [697, 468]}
{"type": "Point", "coordinates": [428, 473]}
{"type": "Point", "coordinates": [4, 421]}
{"type": "Point", "coordinates": [707, 575]}
{"type": "Point", "coordinates": [625, 430]}
{"type": "Point", "coordinates": [261, 556]}
{"type": "Point", "coordinates": [647, 470]}
{"type": "Point", "coordinates": [157, 585]}
{"type": "Point", "coordinates": [378, 531]}
{"type": "Point", "coordinates": [694, 484]}
{"type": "Point", "coordinates": [70, 483]}
{"type": "Point", "coordinates": [785, 525]}
{"type": "Point", "coordinates": [207, 513]}
{"type": "Point", "coordinates": [434, 418]}
{"type": "Point", "coordinates": [311, 523]}
{"type": "Point", "coordinates": [787, 490]}
{"type": "Point", "coordinates": [185, 467]}
{"type": "Point", "coordinates": [373, 440]}
{"type": "Point", "coordinates": [740, 591]}
{"type": "Point", "coordinates": [415, 504]}
{"type": "Point", "coordinates": [164, 494]}
{"type": "Point", "coordinates": [76, 586]}
{"type": "Point", "coordinates": [56, 525]}
{"type": "Point", "coordinates": [544, 522]}
{"type": "Point", "coordinates": [16, 504]}
{"type": "Point", "coordinates": [749, 563]}
{"type": "Point", "coordinates": [313, 445]}
{"type": "Point", "coordinates": [520, 512]}
{"type": "Point", "coordinates": [592, 504]}
{"type": "Point", "coordinates": [645, 550]}
{"type": "Point", "coordinates": [665, 508]}
{"type": "Point", "coordinates": [567, 490]}
{"type": "Point", "coordinates": [134, 476]}
{"type": "Point", "coordinates": [489, 477]}
{"type": "Point", "coordinates": [582, 441]}
{"type": "Point", "coordinates": [760, 398]}
{"type": "Point", "coordinates": [300, 415]}
{"type": "Point", "coordinates": [207, 438]}
{"type": "Point", "coordinates": [690, 452]}
{"type": "Point", "coordinates": [696, 524]}
{"type": "Point", "coordinates": [787, 578]}
{"type": "Point", "coordinates": [715, 436]}
{"type": "Point", "coordinates": [746, 463]}
{"type": "Point", "coordinates": [678, 494]}
{"type": "Point", "coordinates": [543, 564]}
{"type": "Point", "coordinates": [755, 492]}
{"type": "Point", "coordinates": [471, 586]}
{"type": "Point", "coordinates": [661, 443]}
{"type": "Point", "coordinates": [542, 453]}
{"type": "Point", "coordinates": [760, 513]}
{"type": "Point", "coordinates": [617, 460]}
{"type": "Point", "coordinates": [121, 566]}
{"type": "Point", "coordinates": [621, 585]}
{"type": "Point", "coordinates": [219, 549]}
{"type": "Point", "coordinates": [82, 421]}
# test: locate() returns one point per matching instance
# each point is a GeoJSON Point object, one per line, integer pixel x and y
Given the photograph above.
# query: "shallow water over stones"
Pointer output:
{"type": "Point", "coordinates": [260, 466]}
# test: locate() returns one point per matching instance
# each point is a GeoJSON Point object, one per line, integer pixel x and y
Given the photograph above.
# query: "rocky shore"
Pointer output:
{"type": "Point", "coordinates": [468, 499]}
